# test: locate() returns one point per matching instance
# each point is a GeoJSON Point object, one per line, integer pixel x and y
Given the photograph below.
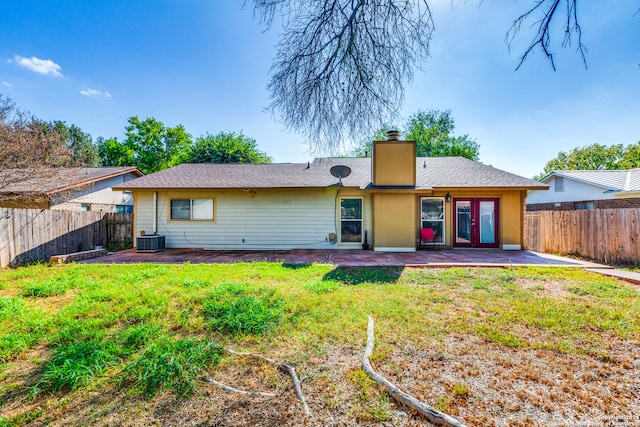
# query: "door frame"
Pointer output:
{"type": "Point", "coordinates": [475, 222]}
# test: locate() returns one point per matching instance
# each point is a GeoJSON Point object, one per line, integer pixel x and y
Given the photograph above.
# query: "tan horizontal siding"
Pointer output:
{"type": "Point", "coordinates": [272, 219]}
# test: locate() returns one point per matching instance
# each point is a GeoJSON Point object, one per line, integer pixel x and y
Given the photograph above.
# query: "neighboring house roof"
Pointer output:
{"type": "Point", "coordinates": [439, 172]}
{"type": "Point", "coordinates": [611, 180]}
{"type": "Point", "coordinates": [50, 181]}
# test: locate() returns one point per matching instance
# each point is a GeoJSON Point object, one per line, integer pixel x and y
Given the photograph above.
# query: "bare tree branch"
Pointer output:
{"type": "Point", "coordinates": [547, 10]}
{"type": "Point", "coordinates": [434, 416]}
{"type": "Point", "coordinates": [287, 369]}
{"type": "Point", "coordinates": [342, 65]}
{"type": "Point", "coordinates": [28, 147]}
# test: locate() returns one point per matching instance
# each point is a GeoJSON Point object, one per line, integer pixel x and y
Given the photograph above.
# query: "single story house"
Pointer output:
{"type": "Point", "coordinates": [86, 189]}
{"type": "Point", "coordinates": [587, 189]}
{"type": "Point", "coordinates": [392, 201]}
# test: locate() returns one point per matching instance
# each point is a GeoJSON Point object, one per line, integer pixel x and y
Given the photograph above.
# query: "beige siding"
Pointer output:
{"type": "Point", "coordinates": [271, 219]}
{"type": "Point", "coordinates": [143, 212]}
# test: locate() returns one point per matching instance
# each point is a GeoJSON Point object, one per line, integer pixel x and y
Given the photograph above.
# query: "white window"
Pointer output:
{"type": "Point", "coordinates": [192, 209]}
{"type": "Point", "coordinates": [432, 216]}
{"type": "Point", "coordinates": [559, 184]}
{"type": "Point", "coordinates": [351, 220]}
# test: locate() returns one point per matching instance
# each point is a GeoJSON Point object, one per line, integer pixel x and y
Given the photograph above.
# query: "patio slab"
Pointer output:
{"type": "Point", "coordinates": [354, 258]}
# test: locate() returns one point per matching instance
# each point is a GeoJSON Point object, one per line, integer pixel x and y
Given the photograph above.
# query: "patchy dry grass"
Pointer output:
{"type": "Point", "coordinates": [131, 345]}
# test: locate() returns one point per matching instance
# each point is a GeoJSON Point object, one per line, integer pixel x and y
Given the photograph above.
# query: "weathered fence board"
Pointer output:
{"type": "Point", "coordinates": [605, 235]}
{"type": "Point", "coordinates": [28, 235]}
{"type": "Point", "coordinates": [119, 231]}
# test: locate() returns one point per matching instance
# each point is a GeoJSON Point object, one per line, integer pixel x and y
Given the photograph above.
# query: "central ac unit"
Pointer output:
{"type": "Point", "coordinates": [151, 243]}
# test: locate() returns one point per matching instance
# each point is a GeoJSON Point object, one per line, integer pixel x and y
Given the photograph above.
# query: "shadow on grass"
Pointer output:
{"type": "Point", "coordinates": [296, 266]}
{"type": "Point", "coordinates": [358, 275]}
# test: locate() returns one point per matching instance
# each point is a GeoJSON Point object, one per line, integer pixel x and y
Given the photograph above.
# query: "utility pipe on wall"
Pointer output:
{"type": "Point", "coordinates": [155, 212]}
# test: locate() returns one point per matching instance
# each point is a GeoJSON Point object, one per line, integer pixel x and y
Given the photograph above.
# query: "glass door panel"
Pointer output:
{"type": "Point", "coordinates": [463, 221]}
{"type": "Point", "coordinates": [487, 222]}
{"type": "Point", "coordinates": [476, 223]}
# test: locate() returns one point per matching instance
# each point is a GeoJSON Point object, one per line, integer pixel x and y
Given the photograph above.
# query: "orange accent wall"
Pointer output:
{"type": "Point", "coordinates": [394, 220]}
{"type": "Point", "coordinates": [394, 163]}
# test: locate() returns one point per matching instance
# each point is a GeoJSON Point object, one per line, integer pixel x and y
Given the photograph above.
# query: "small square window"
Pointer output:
{"type": "Point", "coordinates": [85, 207]}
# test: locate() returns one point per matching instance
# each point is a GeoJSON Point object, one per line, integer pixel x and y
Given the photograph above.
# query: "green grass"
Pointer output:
{"type": "Point", "coordinates": [157, 327]}
{"type": "Point", "coordinates": [234, 308]}
{"type": "Point", "coordinates": [170, 363]}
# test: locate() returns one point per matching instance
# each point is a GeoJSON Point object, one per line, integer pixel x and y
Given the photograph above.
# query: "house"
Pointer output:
{"type": "Point", "coordinates": [587, 189]}
{"type": "Point", "coordinates": [387, 202]}
{"type": "Point", "coordinates": [87, 189]}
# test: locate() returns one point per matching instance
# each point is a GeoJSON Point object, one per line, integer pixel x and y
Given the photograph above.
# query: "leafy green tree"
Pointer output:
{"type": "Point", "coordinates": [227, 147]}
{"type": "Point", "coordinates": [148, 145]}
{"type": "Point", "coordinates": [114, 153]}
{"type": "Point", "coordinates": [155, 146]}
{"type": "Point", "coordinates": [79, 143]}
{"type": "Point", "coordinates": [595, 157]}
{"type": "Point", "coordinates": [433, 132]}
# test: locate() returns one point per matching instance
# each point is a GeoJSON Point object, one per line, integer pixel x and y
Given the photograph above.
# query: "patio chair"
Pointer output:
{"type": "Point", "coordinates": [428, 238]}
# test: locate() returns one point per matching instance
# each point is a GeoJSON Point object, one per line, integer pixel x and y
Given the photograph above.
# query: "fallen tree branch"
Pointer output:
{"type": "Point", "coordinates": [284, 368]}
{"type": "Point", "coordinates": [235, 390]}
{"type": "Point", "coordinates": [434, 416]}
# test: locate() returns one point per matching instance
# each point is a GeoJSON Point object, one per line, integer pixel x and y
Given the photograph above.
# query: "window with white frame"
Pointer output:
{"type": "Point", "coordinates": [192, 209]}
{"type": "Point", "coordinates": [432, 216]}
{"type": "Point", "coordinates": [558, 184]}
{"type": "Point", "coordinates": [351, 220]}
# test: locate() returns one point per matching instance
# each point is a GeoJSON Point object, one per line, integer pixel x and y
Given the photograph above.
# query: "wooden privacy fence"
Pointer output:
{"type": "Point", "coordinates": [28, 235]}
{"type": "Point", "coordinates": [604, 235]}
{"type": "Point", "coordinates": [119, 231]}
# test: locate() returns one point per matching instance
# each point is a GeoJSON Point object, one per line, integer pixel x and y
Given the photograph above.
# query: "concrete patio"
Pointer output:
{"type": "Point", "coordinates": [354, 258]}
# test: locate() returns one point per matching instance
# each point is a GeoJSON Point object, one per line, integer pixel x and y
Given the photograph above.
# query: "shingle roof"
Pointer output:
{"type": "Point", "coordinates": [614, 180]}
{"type": "Point", "coordinates": [440, 172]}
{"type": "Point", "coordinates": [59, 179]}
{"type": "Point", "coordinates": [462, 172]}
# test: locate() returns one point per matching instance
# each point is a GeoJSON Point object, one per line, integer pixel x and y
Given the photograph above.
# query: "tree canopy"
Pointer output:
{"type": "Point", "coordinates": [342, 66]}
{"type": "Point", "coordinates": [29, 147]}
{"type": "Point", "coordinates": [433, 132]}
{"type": "Point", "coordinates": [79, 143]}
{"type": "Point", "coordinates": [226, 147]}
{"type": "Point", "coordinates": [595, 157]}
{"type": "Point", "coordinates": [149, 145]}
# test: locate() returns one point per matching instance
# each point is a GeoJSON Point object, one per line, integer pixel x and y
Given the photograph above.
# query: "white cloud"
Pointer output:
{"type": "Point", "coordinates": [41, 66]}
{"type": "Point", "coordinates": [7, 84]}
{"type": "Point", "coordinates": [93, 92]}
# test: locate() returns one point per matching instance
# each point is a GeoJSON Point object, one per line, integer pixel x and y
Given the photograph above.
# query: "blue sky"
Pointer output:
{"type": "Point", "coordinates": [205, 64]}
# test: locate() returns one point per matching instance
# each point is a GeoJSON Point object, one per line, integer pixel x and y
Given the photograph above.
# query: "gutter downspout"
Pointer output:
{"type": "Point", "coordinates": [155, 212]}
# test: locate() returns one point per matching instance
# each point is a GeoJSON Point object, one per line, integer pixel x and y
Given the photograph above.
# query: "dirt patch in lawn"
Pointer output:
{"type": "Point", "coordinates": [482, 384]}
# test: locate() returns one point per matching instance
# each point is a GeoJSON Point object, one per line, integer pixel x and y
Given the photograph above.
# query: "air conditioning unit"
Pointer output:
{"type": "Point", "coordinates": [153, 243]}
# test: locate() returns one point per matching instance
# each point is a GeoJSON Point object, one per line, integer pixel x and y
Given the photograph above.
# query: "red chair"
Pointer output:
{"type": "Point", "coordinates": [427, 237]}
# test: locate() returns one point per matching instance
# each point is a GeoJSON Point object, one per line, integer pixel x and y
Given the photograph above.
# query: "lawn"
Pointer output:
{"type": "Point", "coordinates": [134, 344]}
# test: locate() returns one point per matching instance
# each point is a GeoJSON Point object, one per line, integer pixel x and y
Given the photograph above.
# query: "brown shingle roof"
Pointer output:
{"type": "Point", "coordinates": [49, 181]}
{"type": "Point", "coordinates": [439, 172]}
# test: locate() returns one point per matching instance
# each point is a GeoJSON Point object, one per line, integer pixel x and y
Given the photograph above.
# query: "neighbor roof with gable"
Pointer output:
{"type": "Point", "coordinates": [49, 181]}
{"type": "Point", "coordinates": [612, 180]}
{"type": "Point", "coordinates": [431, 172]}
